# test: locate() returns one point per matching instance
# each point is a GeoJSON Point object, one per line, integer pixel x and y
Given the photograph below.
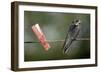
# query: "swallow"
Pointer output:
{"type": "Point", "coordinates": [73, 32]}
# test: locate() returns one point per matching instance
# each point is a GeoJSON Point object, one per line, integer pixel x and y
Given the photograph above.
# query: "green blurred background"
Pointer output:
{"type": "Point", "coordinates": [55, 26]}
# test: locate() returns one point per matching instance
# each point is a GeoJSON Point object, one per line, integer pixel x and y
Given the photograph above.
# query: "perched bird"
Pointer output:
{"type": "Point", "coordinates": [73, 32]}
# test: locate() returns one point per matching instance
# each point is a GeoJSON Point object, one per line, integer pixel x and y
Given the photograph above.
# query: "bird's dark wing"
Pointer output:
{"type": "Point", "coordinates": [67, 35]}
{"type": "Point", "coordinates": [71, 36]}
{"type": "Point", "coordinates": [68, 39]}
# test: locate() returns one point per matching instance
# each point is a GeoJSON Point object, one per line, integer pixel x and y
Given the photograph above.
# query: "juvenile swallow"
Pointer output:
{"type": "Point", "coordinates": [72, 34]}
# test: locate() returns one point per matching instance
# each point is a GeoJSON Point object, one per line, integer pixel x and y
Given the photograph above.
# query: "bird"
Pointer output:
{"type": "Point", "coordinates": [73, 32]}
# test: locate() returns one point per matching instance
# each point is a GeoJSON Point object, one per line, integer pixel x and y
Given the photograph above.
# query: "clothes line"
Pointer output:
{"type": "Point", "coordinates": [77, 39]}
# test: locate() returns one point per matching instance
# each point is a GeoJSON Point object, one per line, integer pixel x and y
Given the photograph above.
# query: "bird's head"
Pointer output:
{"type": "Point", "coordinates": [77, 22]}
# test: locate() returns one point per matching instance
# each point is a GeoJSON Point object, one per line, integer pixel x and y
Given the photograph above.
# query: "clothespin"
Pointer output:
{"type": "Point", "coordinates": [41, 37]}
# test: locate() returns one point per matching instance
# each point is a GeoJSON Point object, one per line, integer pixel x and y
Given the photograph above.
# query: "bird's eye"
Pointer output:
{"type": "Point", "coordinates": [77, 20]}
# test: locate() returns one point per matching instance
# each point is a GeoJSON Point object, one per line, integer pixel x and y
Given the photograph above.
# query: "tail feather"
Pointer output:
{"type": "Point", "coordinates": [66, 47]}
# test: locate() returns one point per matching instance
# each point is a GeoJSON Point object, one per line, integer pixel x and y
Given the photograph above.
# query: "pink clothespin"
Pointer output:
{"type": "Point", "coordinates": [38, 32]}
